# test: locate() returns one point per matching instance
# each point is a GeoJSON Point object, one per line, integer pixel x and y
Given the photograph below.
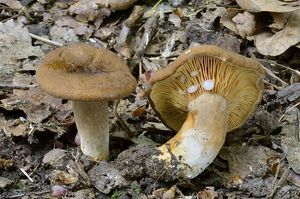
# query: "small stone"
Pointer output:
{"type": "Point", "coordinates": [58, 190]}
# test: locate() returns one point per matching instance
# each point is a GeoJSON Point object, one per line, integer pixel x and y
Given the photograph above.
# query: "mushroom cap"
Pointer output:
{"type": "Point", "coordinates": [207, 68]}
{"type": "Point", "coordinates": [83, 72]}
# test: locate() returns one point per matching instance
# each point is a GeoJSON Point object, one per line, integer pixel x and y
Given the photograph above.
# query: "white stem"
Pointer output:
{"type": "Point", "coordinates": [92, 124]}
{"type": "Point", "coordinates": [201, 136]}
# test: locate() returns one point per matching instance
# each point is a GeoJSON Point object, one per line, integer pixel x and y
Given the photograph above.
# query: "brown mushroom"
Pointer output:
{"type": "Point", "coordinates": [89, 77]}
{"type": "Point", "coordinates": [206, 92]}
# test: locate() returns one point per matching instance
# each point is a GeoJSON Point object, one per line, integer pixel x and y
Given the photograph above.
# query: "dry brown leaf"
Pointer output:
{"type": "Point", "coordinates": [207, 193]}
{"type": "Point", "coordinates": [279, 21]}
{"type": "Point", "coordinates": [290, 138]}
{"type": "Point", "coordinates": [242, 163]}
{"type": "Point", "coordinates": [62, 178]}
{"type": "Point", "coordinates": [86, 10]}
{"type": "Point", "coordinates": [5, 182]}
{"type": "Point", "coordinates": [268, 43]}
{"type": "Point", "coordinates": [121, 4]}
{"type": "Point", "coordinates": [268, 5]}
{"type": "Point", "coordinates": [13, 4]}
{"type": "Point", "coordinates": [14, 128]}
{"type": "Point", "coordinates": [78, 27]}
{"type": "Point", "coordinates": [226, 19]}
{"type": "Point", "coordinates": [245, 23]}
{"type": "Point", "coordinates": [15, 43]}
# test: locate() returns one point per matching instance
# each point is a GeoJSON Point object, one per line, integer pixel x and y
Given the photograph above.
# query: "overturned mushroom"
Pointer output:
{"type": "Point", "coordinates": [89, 77]}
{"type": "Point", "coordinates": [203, 94]}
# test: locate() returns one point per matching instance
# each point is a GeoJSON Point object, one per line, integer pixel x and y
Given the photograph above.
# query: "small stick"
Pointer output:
{"type": "Point", "coordinates": [17, 196]}
{"type": "Point", "coordinates": [280, 181]}
{"type": "Point", "coordinates": [26, 174]}
{"type": "Point", "coordinates": [10, 86]}
{"type": "Point", "coordinates": [47, 41]}
{"type": "Point", "coordinates": [121, 121]}
{"type": "Point", "coordinates": [288, 111]}
{"type": "Point", "coordinates": [281, 65]}
{"type": "Point", "coordinates": [269, 72]}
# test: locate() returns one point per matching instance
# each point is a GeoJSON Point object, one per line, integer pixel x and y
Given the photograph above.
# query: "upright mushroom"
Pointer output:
{"type": "Point", "coordinates": [203, 94]}
{"type": "Point", "coordinates": [89, 77]}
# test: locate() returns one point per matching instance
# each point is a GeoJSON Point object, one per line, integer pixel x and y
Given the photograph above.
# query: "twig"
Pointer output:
{"type": "Point", "coordinates": [288, 111]}
{"type": "Point", "coordinates": [269, 72]}
{"type": "Point", "coordinates": [271, 62]}
{"type": "Point", "coordinates": [10, 86]}
{"type": "Point", "coordinates": [276, 174]}
{"type": "Point", "coordinates": [121, 121]}
{"type": "Point", "coordinates": [17, 195]}
{"type": "Point", "coordinates": [280, 181]}
{"type": "Point", "coordinates": [26, 174]}
{"type": "Point", "coordinates": [132, 20]}
{"type": "Point", "coordinates": [47, 41]}
{"type": "Point", "coordinates": [150, 28]}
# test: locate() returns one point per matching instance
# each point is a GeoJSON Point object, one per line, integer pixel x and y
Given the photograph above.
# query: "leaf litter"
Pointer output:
{"type": "Point", "coordinates": [261, 159]}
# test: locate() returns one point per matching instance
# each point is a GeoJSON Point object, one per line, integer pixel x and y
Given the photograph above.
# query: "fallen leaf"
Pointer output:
{"type": "Point", "coordinates": [226, 19]}
{"type": "Point", "coordinates": [207, 193]}
{"type": "Point", "coordinates": [105, 177]}
{"type": "Point", "coordinates": [55, 157]}
{"type": "Point", "coordinates": [13, 4]}
{"type": "Point", "coordinates": [244, 164]}
{"type": "Point", "coordinates": [268, 5]}
{"type": "Point", "coordinates": [86, 10]}
{"type": "Point", "coordinates": [290, 138]}
{"type": "Point", "coordinates": [268, 43]}
{"type": "Point", "coordinates": [16, 43]}
{"type": "Point", "coordinates": [4, 182]}
{"type": "Point", "coordinates": [62, 178]}
{"type": "Point", "coordinates": [79, 27]}
{"type": "Point", "coordinates": [245, 23]}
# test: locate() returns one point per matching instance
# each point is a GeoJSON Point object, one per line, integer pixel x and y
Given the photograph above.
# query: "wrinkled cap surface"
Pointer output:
{"type": "Point", "coordinates": [207, 69]}
{"type": "Point", "coordinates": [83, 72]}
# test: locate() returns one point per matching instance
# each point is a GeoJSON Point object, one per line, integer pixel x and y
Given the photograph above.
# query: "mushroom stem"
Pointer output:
{"type": "Point", "coordinates": [92, 124]}
{"type": "Point", "coordinates": [201, 136]}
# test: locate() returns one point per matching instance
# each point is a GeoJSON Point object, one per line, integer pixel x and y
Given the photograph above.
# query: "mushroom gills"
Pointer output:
{"type": "Point", "coordinates": [201, 136]}
{"type": "Point", "coordinates": [92, 124]}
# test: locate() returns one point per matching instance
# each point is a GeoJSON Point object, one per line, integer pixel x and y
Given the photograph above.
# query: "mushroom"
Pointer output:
{"type": "Point", "coordinates": [205, 93]}
{"type": "Point", "coordinates": [89, 77]}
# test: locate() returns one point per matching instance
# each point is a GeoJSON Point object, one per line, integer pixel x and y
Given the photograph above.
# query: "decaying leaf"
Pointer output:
{"type": "Point", "coordinates": [284, 33]}
{"type": "Point", "coordinates": [208, 193]}
{"type": "Point", "coordinates": [242, 162]}
{"type": "Point", "coordinates": [268, 5]}
{"type": "Point", "coordinates": [290, 140]}
{"type": "Point", "coordinates": [245, 23]}
{"type": "Point", "coordinates": [105, 177]}
{"type": "Point", "coordinates": [62, 178]}
{"type": "Point", "coordinates": [15, 43]}
{"type": "Point", "coordinates": [268, 43]}
{"type": "Point", "coordinates": [279, 21]}
{"type": "Point", "coordinates": [13, 4]}
{"type": "Point", "coordinates": [86, 10]}
{"type": "Point", "coordinates": [226, 19]}
{"type": "Point", "coordinates": [55, 157]}
{"type": "Point", "coordinates": [4, 182]}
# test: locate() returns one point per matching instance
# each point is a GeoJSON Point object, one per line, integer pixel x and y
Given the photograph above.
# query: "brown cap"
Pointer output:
{"type": "Point", "coordinates": [207, 69]}
{"type": "Point", "coordinates": [83, 72]}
